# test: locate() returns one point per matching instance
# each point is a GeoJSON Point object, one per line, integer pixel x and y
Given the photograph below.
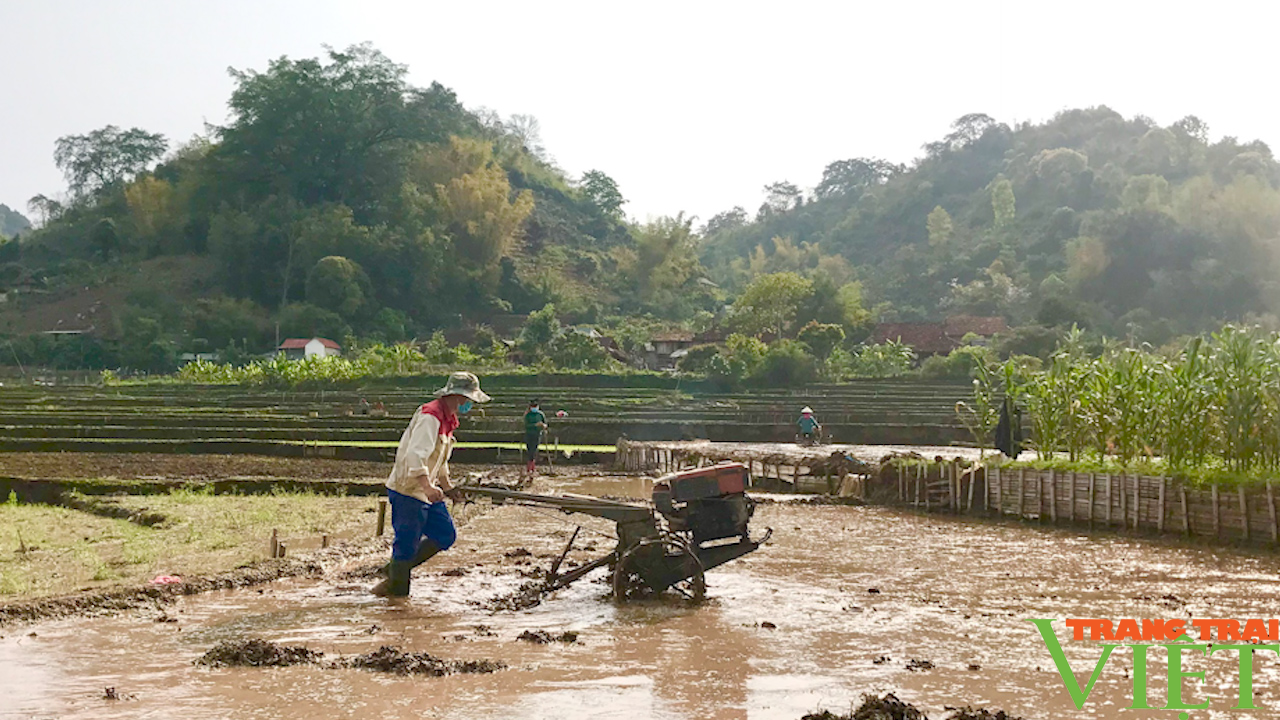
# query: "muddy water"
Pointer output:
{"type": "Point", "coordinates": [953, 593]}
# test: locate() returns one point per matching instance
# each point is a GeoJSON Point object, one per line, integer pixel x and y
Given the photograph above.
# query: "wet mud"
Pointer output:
{"type": "Point", "coordinates": [889, 707]}
{"type": "Point", "coordinates": [256, 652]}
{"type": "Point", "coordinates": [394, 660]}
{"type": "Point", "coordinates": [542, 637]}
{"type": "Point", "coordinates": [842, 602]}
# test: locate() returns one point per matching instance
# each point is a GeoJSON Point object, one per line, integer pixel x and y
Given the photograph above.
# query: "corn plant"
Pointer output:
{"type": "Point", "coordinates": [982, 415]}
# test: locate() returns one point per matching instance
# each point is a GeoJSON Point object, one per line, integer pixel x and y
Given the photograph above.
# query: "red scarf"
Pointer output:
{"type": "Point", "coordinates": [448, 421]}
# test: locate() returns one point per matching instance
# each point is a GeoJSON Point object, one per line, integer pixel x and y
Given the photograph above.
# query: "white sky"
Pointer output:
{"type": "Point", "coordinates": [691, 106]}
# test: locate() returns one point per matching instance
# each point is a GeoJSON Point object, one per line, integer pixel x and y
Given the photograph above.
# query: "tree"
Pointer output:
{"type": "Point", "coordinates": [968, 128]}
{"type": "Point", "coordinates": [540, 329]}
{"type": "Point", "coordinates": [844, 177]}
{"type": "Point", "coordinates": [1059, 163]}
{"type": "Point", "coordinates": [739, 359]}
{"type": "Point", "coordinates": [151, 207]}
{"type": "Point", "coordinates": [576, 351]}
{"type": "Point", "coordinates": [660, 272]}
{"type": "Point", "coordinates": [338, 285]}
{"type": "Point", "coordinates": [603, 192]}
{"type": "Point", "coordinates": [224, 321]}
{"type": "Point", "coordinates": [770, 302]}
{"type": "Point", "coordinates": [45, 208]}
{"type": "Point", "coordinates": [105, 238]}
{"type": "Point", "coordinates": [105, 157]}
{"type": "Point", "coordinates": [322, 131]}
{"type": "Point", "coordinates": [474, 206]}
{"type": "Point", "coordinates": [306, 321]}
{"type": "Point", "coordinates": [528, 132]}
{"type": "Point", "coordinates": [782, 196]}
{"type": "Point", "coordinates": [1003, 203]}
{"type": "Point", "coordinates": [821, 338]}
{"type": "Point", "coordinates": [726, 220]}
{"type": "Point", "coordinates": [940, 228]}
{"type": "Point", "coordinates": [1193, 127]}
{"type": "Point", "coordinates": [786, 364]}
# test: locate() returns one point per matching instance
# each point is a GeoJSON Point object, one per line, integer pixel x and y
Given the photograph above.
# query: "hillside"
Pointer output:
{"type": "Point", "coordinates": [12, 222]}
{"type": "Point", "coordinates": [1117, 225]}
{"type": "Point", "coordinates": [341, 201]}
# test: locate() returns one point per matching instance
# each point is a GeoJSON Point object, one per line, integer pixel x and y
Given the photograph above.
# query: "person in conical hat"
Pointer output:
{"type": "Point", "coordinates": [809, 427]}
{"type": "Point", "coordinates": [419, 482]}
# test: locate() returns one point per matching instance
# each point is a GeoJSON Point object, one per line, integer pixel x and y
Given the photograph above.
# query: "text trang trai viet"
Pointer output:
{"type": "Point", "coordinates": [1182, 640]}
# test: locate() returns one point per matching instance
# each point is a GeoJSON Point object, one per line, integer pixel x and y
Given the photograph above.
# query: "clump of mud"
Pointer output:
{"type": "Point", "coordinates": [394, 660]}
{"type": "Point", "coordinates": [526, 596]}
{"type": "Point", "coordinates": [968, 713]}
{"type": "Point", "coordinates": [889, 707]}
{"type": "Point", "coordinates": [542, 637]}
{"type": "Point", "coordinates": [256, 652]}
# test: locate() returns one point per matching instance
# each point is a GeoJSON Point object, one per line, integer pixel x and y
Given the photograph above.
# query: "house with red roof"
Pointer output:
{"type": "Point", "coordinates": [298, 348]}
{"type": "Point", "coordinates": [939, 338]}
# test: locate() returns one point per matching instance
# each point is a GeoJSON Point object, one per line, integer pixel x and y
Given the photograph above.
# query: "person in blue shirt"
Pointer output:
{"type": "Point", "coordinates": [810, 430]}
{"type": "Point", "coordinates": [535, 423]}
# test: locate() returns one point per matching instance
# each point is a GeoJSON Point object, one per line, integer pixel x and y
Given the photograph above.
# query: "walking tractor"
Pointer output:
{"type": "Point", "coordinates": [697, 520]}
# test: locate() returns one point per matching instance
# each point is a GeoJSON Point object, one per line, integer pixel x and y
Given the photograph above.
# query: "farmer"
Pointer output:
{"type": "Point", "coordinates": [419, 482]}
{"type": "Point", "coordinates": [809, 427]}
{"type": "Point", "coordinates": [534, 423]}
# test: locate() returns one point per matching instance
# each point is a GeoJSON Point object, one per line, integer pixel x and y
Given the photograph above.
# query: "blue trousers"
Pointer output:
{"type": "Point", "coordinates": [412, 520]}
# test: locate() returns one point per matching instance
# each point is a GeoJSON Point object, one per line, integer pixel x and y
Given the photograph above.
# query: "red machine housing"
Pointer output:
{"type": "Point", "coordinates": [708, 482]}
{"type": "Point", "coordinates": [710, 501]}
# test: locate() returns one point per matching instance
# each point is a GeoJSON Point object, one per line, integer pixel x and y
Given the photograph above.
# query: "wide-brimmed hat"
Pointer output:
{"type": "Point", "coordinates": [807, 410]}
{"type": "Point", "coordinates": [465, 384]}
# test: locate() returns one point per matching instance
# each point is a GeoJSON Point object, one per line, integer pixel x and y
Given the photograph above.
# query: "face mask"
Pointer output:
{"type": "Point", "coordinates": [465, 407]}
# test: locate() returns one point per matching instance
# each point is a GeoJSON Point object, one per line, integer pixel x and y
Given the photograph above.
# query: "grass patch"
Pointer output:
{"type": "Point", "coordinates": [1213, 473]}
{"type": "Point", "coordinates": [47, 550]}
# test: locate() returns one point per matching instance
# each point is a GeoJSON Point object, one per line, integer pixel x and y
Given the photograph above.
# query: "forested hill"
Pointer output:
{"type": "Point", "coordinates": [12, 222]}
{"type": "Point", "coordinates": [341, 201]}
{"type": "Point", "coordinates": [1118, 225]}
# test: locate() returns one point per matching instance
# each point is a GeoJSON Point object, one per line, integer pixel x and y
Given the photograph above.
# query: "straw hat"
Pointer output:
{"type": "Point", "coordinates": [465, 384]}
{"type": "Point", "coordinates": [807, 410]}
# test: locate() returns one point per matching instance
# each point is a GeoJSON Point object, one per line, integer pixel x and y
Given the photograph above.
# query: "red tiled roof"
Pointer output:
{"type": "Point", "coordinates": [922, 337]}
{"type": "Point", "coordinates": [301, 343]}
{"type": "Point", "coordinates": [960, 325]}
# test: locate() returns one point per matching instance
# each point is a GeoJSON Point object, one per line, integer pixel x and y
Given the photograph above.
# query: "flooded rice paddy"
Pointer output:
{"type": "Point", "coordinates": [842, 601]}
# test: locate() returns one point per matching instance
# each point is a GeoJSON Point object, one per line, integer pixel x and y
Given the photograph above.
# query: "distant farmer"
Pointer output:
{"type": "Point", "coordinates": [535, 422]}
{"type": "Point", "coordinates": [363, 407]}
{"type": "Point", "coordinates": [809, 427]}
{"type": "Point", "coordinates": [419, 482]}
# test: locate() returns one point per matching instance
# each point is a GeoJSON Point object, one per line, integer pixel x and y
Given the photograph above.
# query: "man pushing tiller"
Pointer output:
{"type": "Point", "coordinates": [419, 482]}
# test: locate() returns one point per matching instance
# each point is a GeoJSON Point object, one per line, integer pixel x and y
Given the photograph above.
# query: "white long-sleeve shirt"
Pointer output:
{"type": "Point", "coordinates": [422, 457]}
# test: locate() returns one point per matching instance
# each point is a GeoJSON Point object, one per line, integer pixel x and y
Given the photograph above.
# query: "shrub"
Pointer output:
{"type": "Point", "coordinates": [786, 363]}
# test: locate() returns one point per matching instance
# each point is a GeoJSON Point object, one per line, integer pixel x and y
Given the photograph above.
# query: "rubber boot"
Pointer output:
{"type": "Point", "coordinates": [397, 582]}
{"type": "Point", "coordinates": [426, 551]}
